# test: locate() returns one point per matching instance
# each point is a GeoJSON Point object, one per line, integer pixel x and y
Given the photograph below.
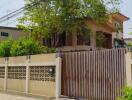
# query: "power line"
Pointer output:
{"type": "Point", "coordinates": [17, 12]}
{"type": "Point", "coordinates": [11, 16]}
{"type": "Point", "coordinates": [13, 12]}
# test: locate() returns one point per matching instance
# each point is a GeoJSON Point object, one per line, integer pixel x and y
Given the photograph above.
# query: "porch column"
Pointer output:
{"type": "Point", "coordinates": [74, 39]}
{"type": "Point", "coordinates": [93, 39]}
{"type": "Point", "coordinates": [58, 75]}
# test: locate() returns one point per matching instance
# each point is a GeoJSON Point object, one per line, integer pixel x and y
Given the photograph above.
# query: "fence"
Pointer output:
{"type": "Point", "coordinates": [90, 75]}
{"type": "Point", "coordinates": [93, 75]}
{"type": "Point", "coordinates": [29, 74]}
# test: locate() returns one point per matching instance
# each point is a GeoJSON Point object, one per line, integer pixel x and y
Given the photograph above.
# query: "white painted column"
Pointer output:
{"type": "Point", "coordinates": [58, 76]}
{"type": "Point", "coordinates": [27, 74]}
{"type": "Point", "coordinates": [128, 69]}
{"type": "Point", "coordinates": [6, 74]}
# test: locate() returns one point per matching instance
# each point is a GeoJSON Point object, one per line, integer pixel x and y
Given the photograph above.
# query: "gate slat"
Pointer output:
{"type": "Point", "coordinates": [94, 75]}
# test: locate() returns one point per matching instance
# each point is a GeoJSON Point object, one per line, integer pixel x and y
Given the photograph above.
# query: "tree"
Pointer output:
{"type": "Point", "coordinates": [48, 17]}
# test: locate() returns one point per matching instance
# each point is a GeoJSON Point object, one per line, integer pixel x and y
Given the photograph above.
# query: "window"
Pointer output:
{"type": "Point", "coordinates": [118, 26]}
{"type": "Point", "coordinates": [4, 34]}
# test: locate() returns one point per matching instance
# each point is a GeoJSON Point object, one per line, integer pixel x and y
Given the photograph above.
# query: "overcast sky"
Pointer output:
{"type": "Point", "coordinates": [7, 6]}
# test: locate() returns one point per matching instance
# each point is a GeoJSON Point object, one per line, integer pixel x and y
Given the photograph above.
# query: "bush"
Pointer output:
{"type": "Point", "coordinates": [127, 94]}
{"type": "Point", "coordinates": [5, 47]}
{"type": "Point", "coordinates": [26, 46]}
{"type": "Point", "coordinates": [21, 47]}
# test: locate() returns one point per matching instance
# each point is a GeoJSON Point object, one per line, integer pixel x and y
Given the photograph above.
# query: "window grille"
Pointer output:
{"type": "Point", "coordinates": [2, 72]}
{"type": "Point", "coordinates": [17, 72]}
{"type": "Point", "coordinates": [40, 73]}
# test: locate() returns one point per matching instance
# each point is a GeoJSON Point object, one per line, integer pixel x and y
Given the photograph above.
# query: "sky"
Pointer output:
{"type": "Point", "coordinates": [126, 9]}
{"type": "Point", "coordinates": [7, 6]}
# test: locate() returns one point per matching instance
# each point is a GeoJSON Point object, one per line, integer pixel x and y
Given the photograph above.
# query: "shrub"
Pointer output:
{"type": "Point", "coordinates": [127, 94]}
{"type": "Point", "coordinates": [26, 46]}
{"type": "Point", "coordinates": [5, 47]}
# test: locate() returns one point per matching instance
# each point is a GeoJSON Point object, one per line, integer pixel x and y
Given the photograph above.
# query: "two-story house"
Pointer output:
{"type": "Point", "coordinates": [112, 33]}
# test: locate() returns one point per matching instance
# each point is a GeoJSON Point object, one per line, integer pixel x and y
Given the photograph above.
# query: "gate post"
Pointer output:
{"type": "Point", "coordinates": [58, 75]}
{"type": "Point", "coordinates": [6, 74]}
{"type": "Point", "coordinates": [128, 68]}
{"type": "Point", "coordinates": [27, 74]}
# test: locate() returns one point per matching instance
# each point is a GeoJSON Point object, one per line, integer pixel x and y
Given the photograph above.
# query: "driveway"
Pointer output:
{"type": "Point", "coordinates": [16, 97]}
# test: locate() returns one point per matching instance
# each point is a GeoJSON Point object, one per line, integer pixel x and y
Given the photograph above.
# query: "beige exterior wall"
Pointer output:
{"type": "Point", "coordinates": [17, 60]}
{"type": "Point", "coordinates": [35, 87]}
{"type": "Point", "coordinates": [16, 85]}
{"type": "Point", "coordinates": [42, 88]}
{"type": "Point", "coordinates": [1, 84]}
{"type": "Point", "coordinates": [129, 68]}
{"type": "Point", "coordinates": [43, 58]}
{"type": "Point", "coordinates": [13, 33]}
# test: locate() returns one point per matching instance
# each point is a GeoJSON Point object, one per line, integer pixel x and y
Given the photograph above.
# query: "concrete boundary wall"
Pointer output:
{"type": "Point", "coordinates": [35, 74]}
{"type": "Point", "coordinates": [129, 68]}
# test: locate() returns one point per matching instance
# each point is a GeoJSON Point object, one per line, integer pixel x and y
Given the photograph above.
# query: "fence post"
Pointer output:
{"type": "Point", "coordinates": [58, 75]}
{"type": "Point", "coordinates": [6, 74]}
{"type": "Point", "coordinates": [128, 68]}
{"type": "Point", "coordinates": [27, 74]}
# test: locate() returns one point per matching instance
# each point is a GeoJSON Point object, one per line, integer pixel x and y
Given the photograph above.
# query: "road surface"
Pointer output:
{"type": "Point", "coordinates": [16, 97]}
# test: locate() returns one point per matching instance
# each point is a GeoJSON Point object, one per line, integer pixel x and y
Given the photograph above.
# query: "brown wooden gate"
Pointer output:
{"type": "Point", "coordinates": [93, 75]}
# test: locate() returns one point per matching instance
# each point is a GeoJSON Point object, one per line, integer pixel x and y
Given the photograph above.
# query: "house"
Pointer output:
{"type": "Point", "coordinates": [128, 40]}
{"type": "Point", "coordinates": [11, 32]}
{"type": "Point", "coordinates": [112, 33]}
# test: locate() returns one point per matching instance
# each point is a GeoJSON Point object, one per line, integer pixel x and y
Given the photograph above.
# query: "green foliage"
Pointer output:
{"type": "Point", "coordinates": [23, 46]}
{"type": "Point", "coordinates": [26, 46]}
{"type": "Point", "coordinates": [100, 40]}
{"type": "Point", "coordinates": [69, 16]}
{"type": "Point", "coordinates": [127, 94]}
{"type": "Point", "coordinates": [129, 44]}
{"type": "Point", "coordinates": [5, 47]}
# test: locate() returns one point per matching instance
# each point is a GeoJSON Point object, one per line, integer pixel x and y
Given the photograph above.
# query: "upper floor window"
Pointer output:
{"type": "Point", "coordinates": [4, 34]}
{"type": "Point", "coordinates": [118, 26]}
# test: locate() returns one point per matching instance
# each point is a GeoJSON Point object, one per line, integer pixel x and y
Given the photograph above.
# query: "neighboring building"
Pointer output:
{"type": "Point", "coordinates": [11, 32]}
{"type": "Point", "coordinates": [128, 40]}
{"type": "Point", "coordinates": [112, 32]}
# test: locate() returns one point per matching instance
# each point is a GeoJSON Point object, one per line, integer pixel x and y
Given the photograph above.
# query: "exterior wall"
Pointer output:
{"type": "Point", "coordinates": [13, 33]}
{"type": "Point", "coordinates": [95, 27]}
{"type": "Point", "coordinates": [129, 68]}
{"type": "Point", "coordinates": [16, 85]}
{"type": "Point", "coordinates": [28, 85]}
{"type": "Point", "coordinates": [1, 84]}
{"type": "Point", "coordinates": [42, 88]}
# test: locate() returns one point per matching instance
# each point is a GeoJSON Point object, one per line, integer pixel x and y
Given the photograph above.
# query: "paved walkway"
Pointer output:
{"type": "Point", "coordinates": [16, 97]}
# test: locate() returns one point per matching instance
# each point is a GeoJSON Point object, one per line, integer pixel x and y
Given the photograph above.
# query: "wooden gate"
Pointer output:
{"type": "Point", "coordinates": [93, 75]}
